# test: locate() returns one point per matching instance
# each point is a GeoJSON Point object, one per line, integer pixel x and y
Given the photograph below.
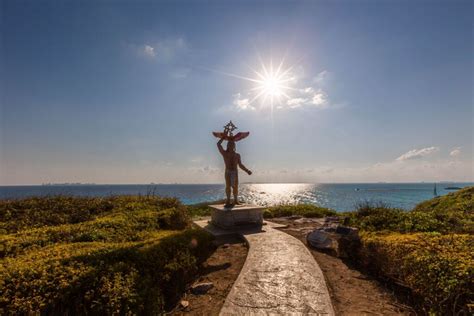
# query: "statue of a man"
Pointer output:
{"type": "Point", "coordinates": [231, 160]}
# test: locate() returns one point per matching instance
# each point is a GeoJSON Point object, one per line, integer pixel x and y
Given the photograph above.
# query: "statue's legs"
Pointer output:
{"type": "Point", "coordinates": [235, 189]}
{"type": "Point", "coordinates": [227, 188]}
{"type": "Point", "coordinates": [231, 181]}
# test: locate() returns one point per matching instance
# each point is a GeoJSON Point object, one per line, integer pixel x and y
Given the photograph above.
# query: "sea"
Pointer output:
{"type": "Point", "coordinates": [338, 196]}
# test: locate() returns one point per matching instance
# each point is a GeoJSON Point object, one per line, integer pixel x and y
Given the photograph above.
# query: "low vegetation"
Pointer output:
{"type": "Point", "coordinates": [305, 210]}
{"type": "Point", "coordinates": [117, 255]}
{"type": "Point", "coordinates": [135, 254]}
{"type": "Point", "coordinates": [437, 268]}
{"type": "Point", "coordinates": [428, 250]}
{"type": "Point", "coordinates": [202, 209]}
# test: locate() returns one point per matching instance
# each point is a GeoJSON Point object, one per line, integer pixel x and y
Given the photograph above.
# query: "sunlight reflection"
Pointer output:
{"type": "Point", "coordinates": [280, 193]}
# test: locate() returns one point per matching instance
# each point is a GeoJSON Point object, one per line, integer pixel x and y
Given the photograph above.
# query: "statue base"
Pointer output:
{"type": "Point", "coordinates": [229, 217]}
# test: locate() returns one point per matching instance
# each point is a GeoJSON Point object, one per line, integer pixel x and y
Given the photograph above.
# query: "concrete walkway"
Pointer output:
{"type": "Point", "coordinates": [280, 276]}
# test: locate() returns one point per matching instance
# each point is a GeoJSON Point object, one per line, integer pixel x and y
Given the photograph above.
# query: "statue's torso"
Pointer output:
{"type": "Point", "coordinates": [231, 160]}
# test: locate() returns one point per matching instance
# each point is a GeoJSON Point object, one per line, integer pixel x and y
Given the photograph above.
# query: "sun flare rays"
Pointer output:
{"type": "Point", "coordinates": [272, 83]}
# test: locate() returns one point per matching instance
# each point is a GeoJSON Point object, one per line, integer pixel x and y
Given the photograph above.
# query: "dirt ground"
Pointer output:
{"type": "Point", "coordinates": [222, 269]}
{"type": "Point", "coordinates": [352, 292]}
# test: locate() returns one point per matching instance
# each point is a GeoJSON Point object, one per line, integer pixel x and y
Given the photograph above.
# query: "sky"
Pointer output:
{"type": "Point", "coordinates": [331, 91]}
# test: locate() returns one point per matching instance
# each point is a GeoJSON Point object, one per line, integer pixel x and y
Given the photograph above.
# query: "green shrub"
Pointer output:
{"type": "Point", "coordinates": [97, 277]}
{"type": "Point", "coordinates": [115, 255]}
{"type": "Point", "coordinates": [173, 218]}
{"type": "Point", "coordinates": [434, 215]}
{"type": "Point", "coordinates": [437, 268]}
{"type": "Point", "coordinates": [428, 249]}
{"type": "Point", "coordinates": [32, 212]}
{"type": "Point", "coordinates": [450, 213]}
{"type": "Point", "coordinates": [119, 226]}
{"type": "Point", "coordinates": [53, 210]}
{"type": "Point", "coordinates": [306, 210]}
{"type": "Point", "coordinates": [376, 217]}
{"type": "Point", "coordinates": [202, 209]}
{"type": "Point", "coordinates": [459, 201]}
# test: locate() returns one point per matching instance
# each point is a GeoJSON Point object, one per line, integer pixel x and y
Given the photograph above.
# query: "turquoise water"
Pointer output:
{"type": "Point", "coordinates": [341, 197]}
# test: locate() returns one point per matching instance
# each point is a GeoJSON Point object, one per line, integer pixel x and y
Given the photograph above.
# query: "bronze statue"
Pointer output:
{"type": "Point", "coordinates": [232, 160]}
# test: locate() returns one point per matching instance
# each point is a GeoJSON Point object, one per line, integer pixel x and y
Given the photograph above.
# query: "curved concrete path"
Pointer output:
{"type": "Point", "coordinates": [280, 276]}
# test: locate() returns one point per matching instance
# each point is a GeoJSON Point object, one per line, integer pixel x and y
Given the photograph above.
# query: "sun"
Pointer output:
{"type": "Point", "coordinates": [272, 83]}
{"type": "Point", "coordinates": [271, 86]}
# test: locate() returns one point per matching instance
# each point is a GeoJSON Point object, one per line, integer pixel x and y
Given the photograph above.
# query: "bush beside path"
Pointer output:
{"type": "Point", "coordinates": [117, 255]}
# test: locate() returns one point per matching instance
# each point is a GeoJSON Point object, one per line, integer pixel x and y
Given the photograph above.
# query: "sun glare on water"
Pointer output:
{"type": "Point", "coordinates": [280, 193]}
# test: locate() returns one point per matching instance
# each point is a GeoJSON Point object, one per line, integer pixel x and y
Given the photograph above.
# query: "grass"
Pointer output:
{"type": "Point", "coordinates": [202, 209]}
{"type": "Point", "coordinates": [117, 255]}
{"type": "Point", "coordinates": [305, 210]}
{"type": "Point", "coordinates": [437, 268]}
{"type": "Point", "coordinates": [429, 249]}
{"type": "Point", "coordinates": [433, 215]}
{"type": "Point", "coordinates": [135, 254]}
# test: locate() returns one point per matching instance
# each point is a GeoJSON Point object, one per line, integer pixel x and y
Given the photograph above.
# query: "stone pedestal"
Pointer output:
{"type": "Point", "coordinates": [237, 215]}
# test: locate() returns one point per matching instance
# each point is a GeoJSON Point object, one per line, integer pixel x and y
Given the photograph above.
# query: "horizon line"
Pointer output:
{"type": "Point", "coordinates": [222, 183]}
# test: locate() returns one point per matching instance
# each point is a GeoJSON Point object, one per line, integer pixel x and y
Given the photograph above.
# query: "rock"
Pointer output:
{"type": "Point", "coordinates": [184, 304]}
{"type": "Point", "coordinates": [201, 288]}
{"type": "Point", "coordinates": [321, 239]}
{"type": "Point", "coordinates": [343, 241]}
{"type": "Point", "coordinates": [225, 245]}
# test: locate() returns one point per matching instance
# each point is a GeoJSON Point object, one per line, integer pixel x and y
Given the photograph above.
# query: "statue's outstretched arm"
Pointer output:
{"type": "Point", "coordinates": [241, 165]}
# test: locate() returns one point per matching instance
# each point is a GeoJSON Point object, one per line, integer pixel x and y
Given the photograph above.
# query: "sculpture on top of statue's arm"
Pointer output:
{"type": "Point", "coordinates": [232, 160]}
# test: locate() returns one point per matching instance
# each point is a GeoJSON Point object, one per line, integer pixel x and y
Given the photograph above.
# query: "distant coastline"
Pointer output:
{"type": "Point", "coordinates": [67, 183]}
{"type": "Point", "coordinates": [221, 183]}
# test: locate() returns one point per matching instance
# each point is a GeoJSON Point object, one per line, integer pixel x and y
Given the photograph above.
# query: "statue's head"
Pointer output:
{"type": "Point", "coordinates": [230, 146]}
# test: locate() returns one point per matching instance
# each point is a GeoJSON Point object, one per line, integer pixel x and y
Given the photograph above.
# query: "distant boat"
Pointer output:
{"type": "Point", "coordinates": [452, 188]}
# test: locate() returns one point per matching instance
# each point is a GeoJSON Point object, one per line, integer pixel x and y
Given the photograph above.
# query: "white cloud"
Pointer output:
{"type": "Point", "coordinates": [319, 99]}
{"type": "Point", "coordinates": [309, 97]}
{"type": "Point", "coordinates": [307, 90]}
{"type": "Point", "coordinates": [149, 51]}
{"type": "Point", "coordinates": [242, 103]}
{"type": "Point", "coordinates": [296, 102]}
{"type": "Point", "coordinates": [418, 153]}
{"type": "Point", "coordinates": [455, 152]}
